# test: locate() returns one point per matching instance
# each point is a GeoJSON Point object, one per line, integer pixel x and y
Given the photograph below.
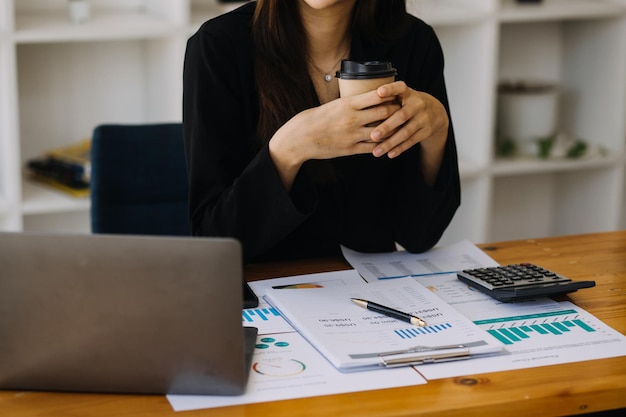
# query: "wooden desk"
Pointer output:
{"type": "Point", "coordinates": [564, 389]}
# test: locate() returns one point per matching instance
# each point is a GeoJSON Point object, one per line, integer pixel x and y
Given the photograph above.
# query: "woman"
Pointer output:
{"type": "Point", "coordinates": [279, 161]}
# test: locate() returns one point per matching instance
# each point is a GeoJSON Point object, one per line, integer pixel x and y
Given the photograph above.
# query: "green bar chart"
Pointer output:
{"type": "Point", "coordinates": [510, 330]}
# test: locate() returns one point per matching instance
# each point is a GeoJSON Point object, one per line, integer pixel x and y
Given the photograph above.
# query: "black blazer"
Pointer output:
{"type": "Point", "coordinates": [362, 202]}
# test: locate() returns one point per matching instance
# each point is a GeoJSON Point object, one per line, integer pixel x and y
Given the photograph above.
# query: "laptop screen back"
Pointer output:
{"type": "Point", "coordinates": [121, 314]}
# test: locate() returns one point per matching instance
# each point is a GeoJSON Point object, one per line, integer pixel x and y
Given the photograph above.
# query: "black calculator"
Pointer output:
{"type": "Point", "coordinates": [520, 282]}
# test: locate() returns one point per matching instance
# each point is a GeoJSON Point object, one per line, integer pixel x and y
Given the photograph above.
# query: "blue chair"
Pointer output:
{"type": "Point", "coordinates": [139, 180]}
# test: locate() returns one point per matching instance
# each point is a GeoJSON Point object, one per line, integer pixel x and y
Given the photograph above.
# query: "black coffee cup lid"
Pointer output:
{"type": "Point", "coordinates": [354, 70]}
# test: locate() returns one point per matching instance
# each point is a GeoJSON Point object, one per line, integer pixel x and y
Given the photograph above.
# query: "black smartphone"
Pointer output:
{"type": "Point", "coordinates": [250, 300]}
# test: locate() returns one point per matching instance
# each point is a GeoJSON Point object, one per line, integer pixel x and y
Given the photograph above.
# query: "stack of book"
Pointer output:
{"type": "Point", "coordinates": [66, 168]}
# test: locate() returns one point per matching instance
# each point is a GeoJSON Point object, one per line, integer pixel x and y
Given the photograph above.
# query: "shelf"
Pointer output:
{"type": "Point", "coordinates": [59, 80]}
{"type": "Point", "coordinates": [41, 199]}
{"type": "Point", "coordinates": [447, 12]}
{"type": "Point", "coordinates": [521, 166]}
{"type": "Point", "coordinates": [53, 26]}
{"type": "Point", "coordinates": [512, 12]}
{"type": "Point", "coordinates": [67, 89]}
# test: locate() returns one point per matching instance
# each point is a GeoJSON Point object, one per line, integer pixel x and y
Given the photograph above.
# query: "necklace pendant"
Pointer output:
{"type": "Point", "coordinates": [328, 78]}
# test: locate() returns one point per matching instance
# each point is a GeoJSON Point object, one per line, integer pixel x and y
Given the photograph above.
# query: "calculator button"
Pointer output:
{"type": "Point", "coordinates": [520, 281]}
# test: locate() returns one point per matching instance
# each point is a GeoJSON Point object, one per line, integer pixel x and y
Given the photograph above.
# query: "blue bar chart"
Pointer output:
{"type": "Point", "coordinates": [265, 318]}
{"type": "Point", "coordinates": [253, 316]}
{"type": "Point", "coordinates": [412, 332]}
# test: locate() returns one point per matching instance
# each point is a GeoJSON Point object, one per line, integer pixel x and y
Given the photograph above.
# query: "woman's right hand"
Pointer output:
{"type": "Point", "coordinates": [337, 128]}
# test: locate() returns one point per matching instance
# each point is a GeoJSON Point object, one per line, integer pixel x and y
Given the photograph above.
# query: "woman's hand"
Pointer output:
{"type": "Point", "coordinates": [421, 119]}
{"type": "Point", "coordinates": [343, 127]}
{"type": "Point", "coordinates": [337, 128]}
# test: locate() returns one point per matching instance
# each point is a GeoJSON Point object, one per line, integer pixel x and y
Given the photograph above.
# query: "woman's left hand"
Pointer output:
{"type": "Point", "coordinates": [421, 118]}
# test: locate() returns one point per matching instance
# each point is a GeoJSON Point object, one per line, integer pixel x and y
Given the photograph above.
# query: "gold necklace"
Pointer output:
{"type": "Point", "coordinates": [328, 75]}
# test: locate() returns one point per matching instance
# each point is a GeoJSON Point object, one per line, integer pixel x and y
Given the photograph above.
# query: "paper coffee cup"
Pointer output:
{"type": "Point", "coordinates": [361, 77]}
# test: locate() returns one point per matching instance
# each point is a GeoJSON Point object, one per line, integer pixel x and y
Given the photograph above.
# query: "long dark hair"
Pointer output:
{"type": "Point", "coordinates": [282, 78]}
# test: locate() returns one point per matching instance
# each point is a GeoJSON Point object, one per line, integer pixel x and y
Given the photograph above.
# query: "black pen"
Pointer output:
{"type": "Point", "coordinates": [388, 311]}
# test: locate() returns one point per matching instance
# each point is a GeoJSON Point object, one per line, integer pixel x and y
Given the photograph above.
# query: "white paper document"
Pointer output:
{"type": "Point", "coordinates": [560, 334]}
{"type": "Point", "coordinates": [353, 338]}
{"type": "Point", "coordinates": [538, 332]}
{"type": "Point", "coordinates": [439, 260]}
{"type": "Point", "coordinates": [532, 333]}
{"type": "Point", "coordinates": [285, 366]}
{"type": "Point", "coordinates": [267, 319]}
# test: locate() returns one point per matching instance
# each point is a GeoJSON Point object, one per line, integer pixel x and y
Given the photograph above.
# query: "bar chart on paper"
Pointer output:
{"type": "Point", "coordinates": [516, 329]}
{"type": "Point", "coordinates": [536, 334]}
{"type": "Point", "coordinates": [255, 315]}
{"type": "Point", "coordinates": [266, 318]}
{"type": "Point", "coordinates": [411, 332]}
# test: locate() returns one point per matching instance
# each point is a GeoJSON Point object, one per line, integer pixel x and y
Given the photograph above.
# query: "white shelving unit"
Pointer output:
{"type": "Point", "coordinates": [59, 80]}
{"type": "Point", "coordinates": [578, 45]}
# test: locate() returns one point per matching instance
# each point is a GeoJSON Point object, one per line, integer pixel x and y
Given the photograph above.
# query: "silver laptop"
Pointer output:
{"type": "Point", "coordinates": [125, 314]}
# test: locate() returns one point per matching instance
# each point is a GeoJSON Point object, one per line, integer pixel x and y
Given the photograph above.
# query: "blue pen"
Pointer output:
{"type": "Point", "coordinates": [390, 312]}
